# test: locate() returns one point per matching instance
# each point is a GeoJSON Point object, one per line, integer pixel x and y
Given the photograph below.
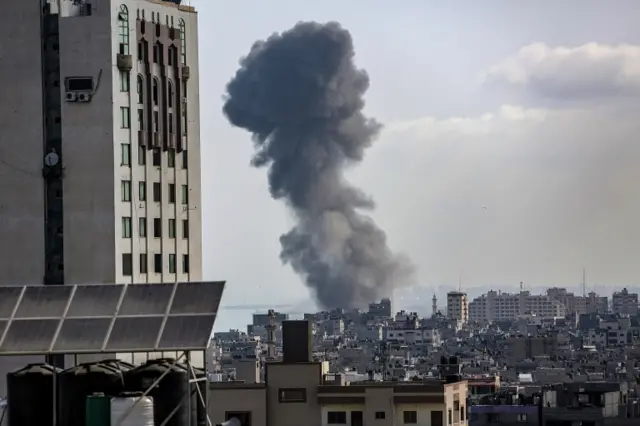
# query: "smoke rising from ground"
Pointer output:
{"type": "Point", "coordinates": [301, 96]}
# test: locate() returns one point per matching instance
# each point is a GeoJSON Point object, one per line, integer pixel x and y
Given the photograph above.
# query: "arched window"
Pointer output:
{"type": "Point", "coordinates": [123, 25]}
{"type": "Point", "coordinates": [170, 94]}
{"type": "Point", "coordinates": [183, 40]}
{"type": "Point", "coordinates": [140, 86]}
{"type": "Point", "coordinates": [155, 93]}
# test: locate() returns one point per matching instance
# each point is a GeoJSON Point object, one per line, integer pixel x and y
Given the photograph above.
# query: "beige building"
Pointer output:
{"type": "Point", "coordinates": [301, 392]}
{"type": "Point", "coordinates": [458, 306]}
{"type": "Point", "coordinates": [100, 145]}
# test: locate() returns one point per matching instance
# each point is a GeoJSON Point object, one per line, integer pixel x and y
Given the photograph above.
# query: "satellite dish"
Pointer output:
{"type": "Point", "coordinates": [51, 159]}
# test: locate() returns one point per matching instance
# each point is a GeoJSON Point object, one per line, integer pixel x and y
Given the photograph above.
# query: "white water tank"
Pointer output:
{"type": "Point", "coordinates": [140, 415]}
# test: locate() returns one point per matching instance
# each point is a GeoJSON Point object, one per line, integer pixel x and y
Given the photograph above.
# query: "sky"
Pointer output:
{"type": "Point", "coordinates": [508, 153]}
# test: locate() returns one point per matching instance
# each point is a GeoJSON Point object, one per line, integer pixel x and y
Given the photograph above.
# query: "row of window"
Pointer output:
{"type": "Point", "coordinates": [125, 120]}
{"type": "Point", "coordinates": [143, 263]}
{"type": "Point", "coordinates": [157, 192]}
{"type": "Point", "coordinates": [124, 30]}
{"type": "Point", "coordinates": [125, 86]}
{"type": "Point", "coordinates": [156, 158]}
{"type": "Point", "coordinates": [157, 227]}
{"type": "Point", "coordinates": [340, 417]}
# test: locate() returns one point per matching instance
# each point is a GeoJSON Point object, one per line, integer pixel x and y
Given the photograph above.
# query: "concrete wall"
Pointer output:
{"type": "Point", "coordinates": [21, 145]}
{"type": "Point", "coordinates": [88, 151]}
{"type": "Point", "coordinates": [21, 155]}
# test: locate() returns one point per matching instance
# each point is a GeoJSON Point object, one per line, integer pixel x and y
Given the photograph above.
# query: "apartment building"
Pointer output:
{"type": "Point", "coordinates": [624, 302]}
{"type": "Point", "coordinates": [507, 306]}
{"type": "Point", "coordinates": [298, 388]}
{"type": "Point", "coordinates": [458, 306]}
{"type": "Point", "coordinates": [100, 146]}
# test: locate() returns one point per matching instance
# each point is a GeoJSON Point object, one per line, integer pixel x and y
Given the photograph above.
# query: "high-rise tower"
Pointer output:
{"type": "Point", "coordinates": [100, 144]}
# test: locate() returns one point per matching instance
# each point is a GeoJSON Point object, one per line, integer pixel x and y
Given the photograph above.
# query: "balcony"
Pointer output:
{"type": "Point", "coordinates": [186, 72]}
{"type": "Point", "coordinates": [124, 62]}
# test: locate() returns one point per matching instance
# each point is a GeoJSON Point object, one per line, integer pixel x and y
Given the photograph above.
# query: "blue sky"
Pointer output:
{"type": "Point", "coordinates": [543, 137]}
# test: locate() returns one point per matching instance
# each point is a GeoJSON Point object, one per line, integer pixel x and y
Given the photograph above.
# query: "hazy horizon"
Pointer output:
{"type": "Point", "coordinates": [507, 154]}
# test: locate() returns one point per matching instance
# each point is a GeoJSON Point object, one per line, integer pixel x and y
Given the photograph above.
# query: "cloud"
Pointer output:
{"type": "Point", "coordinates": [560, 189]}
{"type": "Point", "coordinates": [589, 71]}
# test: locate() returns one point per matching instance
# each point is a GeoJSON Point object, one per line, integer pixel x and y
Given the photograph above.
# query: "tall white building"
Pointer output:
{"type": "Point", "coordinates": [458, 306]}
{"type": "Point", "coordinates": [99, 143]}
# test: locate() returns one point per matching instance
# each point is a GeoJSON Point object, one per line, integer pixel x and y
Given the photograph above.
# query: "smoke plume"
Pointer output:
{"type": "Point", "coordinates": [301, 96]}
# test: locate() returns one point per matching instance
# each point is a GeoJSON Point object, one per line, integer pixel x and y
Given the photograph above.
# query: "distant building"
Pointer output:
{"type": "Point", "coordinates": [624, 302]}
{"type": "Point", "coordinates": [458, 306]}
{"type": "Point", "coordinates": [495, 305]}
{"type": "Point", "coordinates": [298, 388]}
{"type": "Point", "coordinates": [382, 309]}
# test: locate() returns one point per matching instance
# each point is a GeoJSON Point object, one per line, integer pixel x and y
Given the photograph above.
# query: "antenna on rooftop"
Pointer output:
{"type": "Point", "coordinates": [584, 282]}
{"type": "Point", "coordinates": [460, 283]}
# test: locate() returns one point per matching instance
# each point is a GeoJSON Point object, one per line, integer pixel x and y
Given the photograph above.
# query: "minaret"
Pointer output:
{"type": "Point", "coordinates": [434, 304]}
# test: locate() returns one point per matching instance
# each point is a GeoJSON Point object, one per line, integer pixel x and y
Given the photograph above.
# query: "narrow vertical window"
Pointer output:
{"type": "Point", "coordinates": [143, 263]}
{"type": "Point", "coordinates": [172, 193]}
{"type": "Point", "coordinates": [183, 41]}
{"type": "Point", "coordinates": [140, 89]}
{"type": "Point", "coordinates": [171, 158]}
{"type": "Point", "coordinates": [126, 154]}
{"type": "Point", "coordinates": [125, 189]}
{"type": "Point", "coordinates": [140, 119]}
{"type": "Point", "coordinates": [170, 94]}
{"type": "Point", "coordinates": [185, 263]}
{"type": "Point", "coordinates": [172, 228]}
{"type": "Point", "coordinates": [155, 91]}
{"type": "Point", "coordinates": [172, 263]}
{"type": "Point", "coordinates": [142, 227]}
{"type": "Point", "coordinates": [123, 27]}
{"type": "Point", "coordinates": [124, 81]}
{"type": "Point", "coordinates": [126, 227]}
{"type": "Point", "coordinates": [142, 155]}
{"type": "Point", "coordinates": [157, 263]}
{"type": "Point", "coordinates": [185, 228]}
{"type": "Point", "coordinates": [185, 194]}
{"type": "Point", "coordinates": [127, 264]}
{"type": "Point", "coordinates": [125, 117]}
{"type": "Point", "coordinates": [142, 191]}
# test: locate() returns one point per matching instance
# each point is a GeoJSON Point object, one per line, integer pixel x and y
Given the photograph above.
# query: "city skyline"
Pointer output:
{"type": "Point", "coordinates": [471, 121]}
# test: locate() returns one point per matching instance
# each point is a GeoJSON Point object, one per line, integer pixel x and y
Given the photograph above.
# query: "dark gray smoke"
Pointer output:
{"type": "Point", "coordinates": [301, 96]}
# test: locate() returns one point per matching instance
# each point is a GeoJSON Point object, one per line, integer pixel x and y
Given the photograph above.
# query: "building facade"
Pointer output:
{"type": "Point", "coordinates": [100, 145]}
{"type": "Point", "coordinates": [624, 302]}
{"type": "Point", "coordinates": [508, 306]}
{"type": "Point", "coordinates": [458, 306]}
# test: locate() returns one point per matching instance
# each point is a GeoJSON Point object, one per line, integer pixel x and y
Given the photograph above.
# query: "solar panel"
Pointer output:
{"type": "Point", "coordinates": [129, 334]}
{"type": "Point", "coordinates": [146, 299]}
{"type": "Point", "coordinates": [95, 301]}
{"type": "Point", "coordinates": [45, 301]}
{"type": "Point", "coordinates": [29, 335]}
{"type": "Point", "coordinates": [79, 335]}
{"type": "Point", "coordinates": [195, 298]}
{"type": "Point", "coordinates": [8, 299]}
{"type": "Point", "coordinates": [186, 331]}
{"type": "Point", "coordinates": [107, 318]}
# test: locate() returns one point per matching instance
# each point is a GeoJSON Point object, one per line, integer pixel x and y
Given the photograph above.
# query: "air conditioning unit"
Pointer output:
{"type": "Point", "coordinates": [84, 97]}
{"type": "Point", "coordinates": [70, 97]}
